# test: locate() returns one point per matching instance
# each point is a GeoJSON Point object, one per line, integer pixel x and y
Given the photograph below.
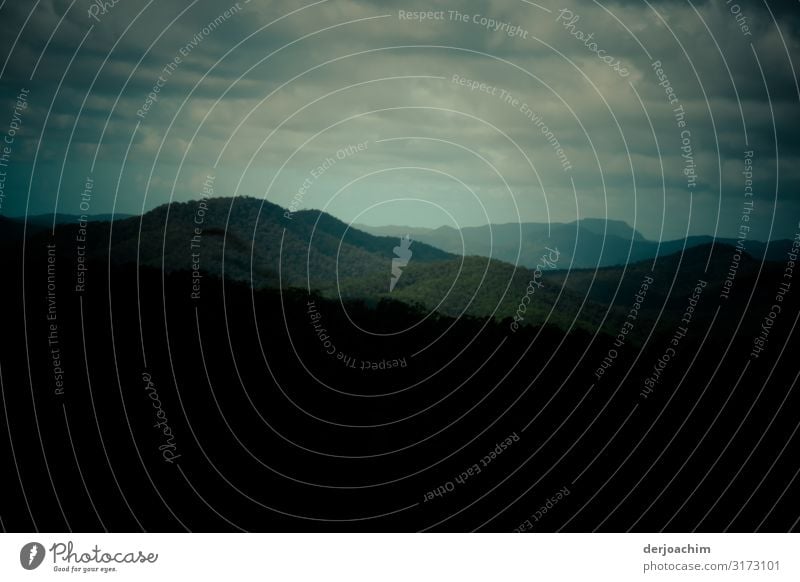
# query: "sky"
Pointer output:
{"type": "Point", "coordinates": [678, 117]}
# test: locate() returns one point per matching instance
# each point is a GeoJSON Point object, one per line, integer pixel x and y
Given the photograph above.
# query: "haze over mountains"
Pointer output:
{"type": "Point", "coordinates": [585, 243]}
{"type": "Point", "coordinates": [254, 241]}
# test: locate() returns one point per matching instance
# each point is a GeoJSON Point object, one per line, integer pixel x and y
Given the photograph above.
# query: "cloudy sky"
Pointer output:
{"type": "Point", "coordinates": [575, 117]}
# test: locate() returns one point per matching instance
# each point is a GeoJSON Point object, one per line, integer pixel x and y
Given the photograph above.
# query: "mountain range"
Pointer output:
{"type": "Point", "coordinates": [584, 244]}
{"type": "Point", "coordinates": [259, 243]}
{"type": "Point", "coordinates": [268, 347]}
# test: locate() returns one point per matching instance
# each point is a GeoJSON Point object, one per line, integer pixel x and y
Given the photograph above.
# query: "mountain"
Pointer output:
{"type": "Point", "coordinates": [586, 243]}
{"type": "Point", "coordinates": [258, 243]}
{"type": "Point", "coordinates": [267, 387]}
{"type": "Point", "coordinates": [254, 241]}
{"type": "Point", "coordinates": [46, 220]}
{"type": "Point", "coordinates": [243, 239]}
{"type": "Point", "coordinates": [11, 231]}
{"type": "Point", "coordinates": [617, 228]}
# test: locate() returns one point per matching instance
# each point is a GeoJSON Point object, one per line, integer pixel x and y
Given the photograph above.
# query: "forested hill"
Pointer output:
{"type": "Point", "coordinates": [186, 236]}
{"type": "Point", "coordinates": [261, 244]}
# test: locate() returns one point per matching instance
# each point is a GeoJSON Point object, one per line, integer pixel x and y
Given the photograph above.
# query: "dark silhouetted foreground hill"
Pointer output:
{"type": "Point", "coordinates": [131, 405]}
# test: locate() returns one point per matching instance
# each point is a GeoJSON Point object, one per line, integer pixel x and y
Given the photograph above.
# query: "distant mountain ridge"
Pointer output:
{"type": "Point", "coordinates": [250, 240]}
{"type": "Point", "coordinates": [585, 243]}
{"type": "Point", "coordinates": [62, 218]}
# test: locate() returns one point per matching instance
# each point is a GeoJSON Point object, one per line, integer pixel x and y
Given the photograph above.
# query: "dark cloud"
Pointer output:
{"type": "Point", "coordinates": [238, 82]}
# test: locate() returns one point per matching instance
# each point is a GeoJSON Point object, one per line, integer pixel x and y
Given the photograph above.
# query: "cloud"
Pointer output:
{"type": "Point", "coordinates": [284, 85]}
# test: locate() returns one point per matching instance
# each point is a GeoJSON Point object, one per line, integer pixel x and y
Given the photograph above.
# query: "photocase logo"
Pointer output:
{"type": "Point", "coordinates": [31, 555]}
{"type": "Point", "coordinates": [403, 254]}
{"type": "Point", "coordinates": [100, 7]}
